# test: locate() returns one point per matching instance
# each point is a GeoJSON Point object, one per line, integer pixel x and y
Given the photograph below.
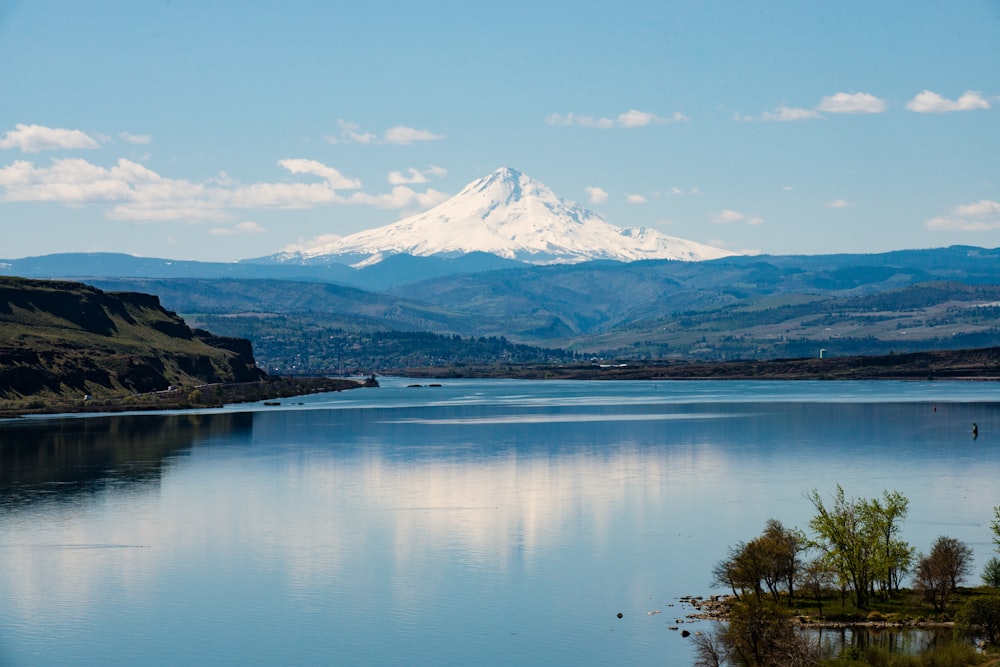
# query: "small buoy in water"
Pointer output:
{"type": "Point", "coordinates": [975, 430]}
{"type": "Point", "coordinates": [620, 614]}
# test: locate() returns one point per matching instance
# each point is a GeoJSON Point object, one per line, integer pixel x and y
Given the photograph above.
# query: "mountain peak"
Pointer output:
{"type": "Point", "coordinates": [505, 184]}
{"type": "Point", "coordinates": [509, 214]}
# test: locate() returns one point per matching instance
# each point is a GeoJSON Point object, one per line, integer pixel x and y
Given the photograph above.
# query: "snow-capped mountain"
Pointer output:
{"type": "Point", "coordinates": [510, 215]}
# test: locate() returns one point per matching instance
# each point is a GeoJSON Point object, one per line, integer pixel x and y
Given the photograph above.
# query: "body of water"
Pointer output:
{"type": "Point", "coordinates": [478, 522]}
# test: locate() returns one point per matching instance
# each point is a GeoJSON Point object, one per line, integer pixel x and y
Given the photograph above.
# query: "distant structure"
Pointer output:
{"type": "Point", "coordinates": [822, 351]}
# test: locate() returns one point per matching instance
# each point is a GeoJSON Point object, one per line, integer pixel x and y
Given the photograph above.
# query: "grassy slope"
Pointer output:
{"type": "Point", "coordinates": [62, 338]}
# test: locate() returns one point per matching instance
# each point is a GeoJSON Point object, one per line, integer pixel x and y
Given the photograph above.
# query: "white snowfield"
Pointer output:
{"type": "Point", "coordinates": [514, 216]}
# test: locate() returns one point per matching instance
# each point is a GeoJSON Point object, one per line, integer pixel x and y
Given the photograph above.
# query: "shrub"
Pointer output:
{"type": "Point", "coordinates": [982, 613]}
{"type": "Point", "coordinates": [991, 573]}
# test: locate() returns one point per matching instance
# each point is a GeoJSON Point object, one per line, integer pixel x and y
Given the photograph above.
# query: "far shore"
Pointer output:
{"type": "Point", "coordinates": [976, 364]}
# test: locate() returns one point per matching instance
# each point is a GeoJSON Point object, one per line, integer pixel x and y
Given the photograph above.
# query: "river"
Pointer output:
{"type": "Point", "coordinates": [478, 522]}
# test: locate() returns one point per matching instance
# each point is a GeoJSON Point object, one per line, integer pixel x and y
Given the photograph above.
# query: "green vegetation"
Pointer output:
{"type": "Point", "coordinates": [62, 341]}
{"type": "Point", "coordinates": [982, 613]}
{"type": "Point", "coordinates": [857, 541]}
{"type": "Point", "coordinates": [991, 572]}
{"type": "Point", "coordinates": [854, 578]}
{"type": "Point", "coordinates": [948, 655]}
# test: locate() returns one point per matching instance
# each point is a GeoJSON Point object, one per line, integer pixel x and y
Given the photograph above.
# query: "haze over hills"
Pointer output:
{"type": "Point", "coordinates": [513, 216]}
{"type": "Point", "coordinates": [737, 307]}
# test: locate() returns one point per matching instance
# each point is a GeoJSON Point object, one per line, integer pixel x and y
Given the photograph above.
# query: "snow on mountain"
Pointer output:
{"type": "Point", "coordinates": [511, 215]}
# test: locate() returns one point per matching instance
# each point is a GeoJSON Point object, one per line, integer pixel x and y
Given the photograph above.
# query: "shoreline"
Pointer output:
{"type": "Point", "coordinates": [968, 365]}
{"type": "Point", "coordinates": [716, 608]}
{"type": "Point", "coordinates": [181, 398]}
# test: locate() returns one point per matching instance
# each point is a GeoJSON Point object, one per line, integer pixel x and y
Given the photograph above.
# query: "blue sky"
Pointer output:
{"type": "Point", "coordinates": [228, 130]}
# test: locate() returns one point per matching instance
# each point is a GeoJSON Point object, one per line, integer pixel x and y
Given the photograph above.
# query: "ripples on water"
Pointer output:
{"type": "Point", "coordinates": [487, 522]}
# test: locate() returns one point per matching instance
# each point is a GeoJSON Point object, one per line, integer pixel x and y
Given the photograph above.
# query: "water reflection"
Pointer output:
{"type": "Point", "coordinates": [892, 640]}
{"type": "Point", "coordinates": [487, 532]}
{"type": "Point", "coordinates": [54, 460]}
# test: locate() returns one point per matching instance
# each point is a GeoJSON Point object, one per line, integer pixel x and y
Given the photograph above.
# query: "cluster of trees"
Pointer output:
{"type": "Point", "coordinates": [856, 550]}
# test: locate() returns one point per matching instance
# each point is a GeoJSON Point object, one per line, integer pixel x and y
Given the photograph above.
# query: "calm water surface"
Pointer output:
{"type": "Point", "coordinates": [480, 522]}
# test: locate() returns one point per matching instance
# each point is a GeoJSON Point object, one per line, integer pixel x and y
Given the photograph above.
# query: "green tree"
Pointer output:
{"type": "Point", "coordinates": [991, 572]}
{"type": "Point", "coordinates": [850, 535]}
{"type": "Point", "coordinates": [939, 572]}
{"type": "Point", "coordinates": [783, 546]}
{"type": "Point", "coordinates": [859, 541]}
{"type": "Point", "coordinates": [768, 563]}
{"type": "Point", "coordinates": [893, 556]}
{"type": "Point", "coordinates": [983, 613]}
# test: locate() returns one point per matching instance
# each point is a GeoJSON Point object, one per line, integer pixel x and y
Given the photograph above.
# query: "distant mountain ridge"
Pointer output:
{"type": "Point", "coordinates": [513, 216]}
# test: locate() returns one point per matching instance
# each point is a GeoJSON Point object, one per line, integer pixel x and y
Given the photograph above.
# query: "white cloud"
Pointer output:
{"type": "Point", "coordinates": [729, 216]}
{"type": "Point", "coordinates": [852, 103]}
{"type": "Point", "coordinates": [351, 133]}
{"type": "Point", "coordinates": [37, 138]}
{"type": "Point", "coordinates": [249, 227]}
{"type": "Point", "coordinates": [576, 119]}
{"type": "Point", "coordinates": [931, 102]}
{"type": "Point", "coordinates": [596, 195]}
{"type": "Point", "coordinates": [72, 181]}
{"type": "Point", "coordinates": [636, 118]}
{"type": "Point", "coordinates": [837, 203]}
{"type": "Point", "coordinates": [980, 216]}
{"type": "Point", "coordinates": [141, 139]}
{"type": "Point", "coordinates": [635, 199]}
{"type": "Point", "coordinates": [140, 194]}
{"type": "Point", "coordinates": [787, 188]}
{"type": "Point", "coordinates": [786, 114]}
{"type": "Point", "coordinates": [414, 176]}
{"type": "Point", "coordinates": [407, 135]}
{"type": "Point", "coordinates": [336, 180]}
{"type": "Point", "coordinates": [240, 228]}
{"type": "Point", "coordinates": [630, 119]}
{"type": "Point", "coordinates": [401, 197]}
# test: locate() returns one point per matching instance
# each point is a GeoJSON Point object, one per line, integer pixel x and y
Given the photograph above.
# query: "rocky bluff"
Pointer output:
{"type": "Point", "coordinates": [61, 339]}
